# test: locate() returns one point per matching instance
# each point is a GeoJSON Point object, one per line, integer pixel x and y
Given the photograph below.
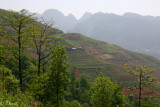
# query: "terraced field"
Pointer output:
{"type": "Point", "coordinates": [91, 57]}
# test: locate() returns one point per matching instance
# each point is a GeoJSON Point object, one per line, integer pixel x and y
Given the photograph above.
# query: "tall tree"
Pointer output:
{"type": "Point", "coordinates": [14, 35]}
{"type": "Point", "coordinates": [144, 77]}
{"type": "Point", "coordinates": [42, 36]}
{"type": "Point", "coordinates": [58, 78]}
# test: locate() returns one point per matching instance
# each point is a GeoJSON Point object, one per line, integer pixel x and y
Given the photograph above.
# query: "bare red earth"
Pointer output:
{"type": "Point", "coordinates": [146, 92]}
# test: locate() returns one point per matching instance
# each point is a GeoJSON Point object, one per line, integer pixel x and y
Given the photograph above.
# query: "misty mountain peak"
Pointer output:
{"type": "Point", "coordinates": [131, 15]}
{"type": "Point", "coordinates": [71, 17]}
{"type": "Point", "coordinates": [55, 12]}
{"type": "Point", "coordinates": [85, 16]}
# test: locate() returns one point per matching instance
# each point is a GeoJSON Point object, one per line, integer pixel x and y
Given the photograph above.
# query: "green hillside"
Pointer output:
{"type": "Point", "coordinates": [40, 66]}
{"type": "Point", "coordinates": [92, 56]}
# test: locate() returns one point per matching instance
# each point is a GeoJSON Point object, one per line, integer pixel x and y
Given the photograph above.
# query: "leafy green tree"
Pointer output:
{"type": "Point", "coordinates": [1, 57]}
{"type": "Point", "coordinates": [144, 75]}
{"type": "Point", "coordinates": [7, 80]}
{"type": "Point", "coordinates": [105, 93]}
{"type": "Point", "coordinates": [14, 37]}
{"type": "Point", "coordinates": [73, 77]}
{"type": "Point", "coordinates": [17, 99]}
{"type": "Point", "coordinates": [72, 87]}
{"type": "Point", "coordinates": [76, 92]}
{"type": "Point", "coordinates": [58, 78]}
{"type": "Point", "coordinates": [74, 103]}
{"type": "Point", "coordinates": [85, 89]}
{"type": "Point", "coordinates": [37, 87]}
{"type": "Point", "coordinates": [84, 83]}
{"type": "Point", "coordinates": [103, 90]}
{"type": "Point", "coordinates": [80, 88]}
{"type": "Point", "coordinates": [10, 95]}
{"type": "Point", "coordinates": [119, 98]}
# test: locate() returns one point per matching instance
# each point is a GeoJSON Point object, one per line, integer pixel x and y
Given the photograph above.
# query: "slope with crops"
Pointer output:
{"type": "Point", "coordinates": [91, 56]}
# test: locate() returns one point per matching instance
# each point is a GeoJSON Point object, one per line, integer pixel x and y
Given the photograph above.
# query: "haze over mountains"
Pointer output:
{"type": "Point", "coordinates": [130, 31]}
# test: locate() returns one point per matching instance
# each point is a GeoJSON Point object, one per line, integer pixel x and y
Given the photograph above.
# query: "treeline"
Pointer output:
{"type": "Point", "coordinates": [34, 70]}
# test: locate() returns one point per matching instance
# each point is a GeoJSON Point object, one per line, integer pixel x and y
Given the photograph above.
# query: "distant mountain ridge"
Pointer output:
{"type": "Point", "coordinates": [130, 31]}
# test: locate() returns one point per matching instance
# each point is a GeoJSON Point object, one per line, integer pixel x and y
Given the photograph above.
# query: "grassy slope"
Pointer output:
{"type": "Point", "coordinates": [93, 56]}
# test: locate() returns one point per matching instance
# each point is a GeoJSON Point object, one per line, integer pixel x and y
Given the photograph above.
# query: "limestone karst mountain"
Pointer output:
{"type": "Point", "coordinates": [130, 31]}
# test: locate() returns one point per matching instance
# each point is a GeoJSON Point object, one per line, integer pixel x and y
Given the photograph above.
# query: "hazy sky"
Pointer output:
{"type": "Point", "coordinates": [79, 7]}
